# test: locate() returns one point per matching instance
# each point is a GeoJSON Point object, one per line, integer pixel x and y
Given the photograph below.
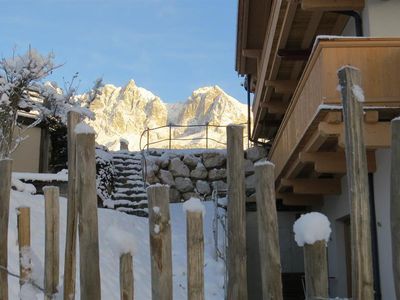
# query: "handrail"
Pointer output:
{"type": "Point", "coordinates": [170, 138]}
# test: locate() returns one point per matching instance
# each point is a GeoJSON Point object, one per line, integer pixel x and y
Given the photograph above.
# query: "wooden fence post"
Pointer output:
{"type": "Point", "coordinates": [160, 242]}
{"type": "Point", "coordinates": [24, 241]}
{"type": "Point", "coordinates": [52, 240]}
{"type": "Point", "coordinates": [316, 270]}
{"type": "Point", "coordinates": [126, 276]}
{"type": "Point", "coordinates": [395, 204]}
{"type": "Point", "coordinates": [195, 255]}
{"type": "Point", "coordinates": [357, 177]}
{"type": "Point", "coordinates": [268, 231]}
{"type": "Point", "coordinates": [5, 188]}
{"type": "Point", "coordinates": [237, 276]}
{"type": "Point", "coordinates": [87, 207]}
{"type": "Point", "coordinates": [72, 211]}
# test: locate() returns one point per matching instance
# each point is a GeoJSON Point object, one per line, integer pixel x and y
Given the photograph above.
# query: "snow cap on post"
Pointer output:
{"type": "Point", "coordinates": [310, 228]}
{"type": "Point", "coordinates": [194, 205]}
{"type": "Point", "coordinates": [83, 128]}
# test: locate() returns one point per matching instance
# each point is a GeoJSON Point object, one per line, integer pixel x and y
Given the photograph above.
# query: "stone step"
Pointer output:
{"type": "Point", "coordinates": [129, 179]}
{"type": "Point", "coordinates": [131, 198]}
{"type": "Point", "coordinates": [132, 191]}
{"type": "Point", "coordinates": [132, 211]}
{"type": "Point", "coordinates": [132, 185]}
{"type": "Point", "coordinates": [129, 171]}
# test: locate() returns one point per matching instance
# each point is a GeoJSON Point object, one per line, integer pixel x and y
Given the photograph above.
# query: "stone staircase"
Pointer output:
{"type": "Point", "coordinates": [129, 194]}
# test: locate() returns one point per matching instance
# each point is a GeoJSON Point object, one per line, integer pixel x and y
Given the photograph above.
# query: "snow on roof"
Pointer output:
{"type": "Point", "coordinates": [194, 205]}
{"type": "Point", "coordinates": [83, 128]}
{"type": "Point", "coordinates": [310, 228]}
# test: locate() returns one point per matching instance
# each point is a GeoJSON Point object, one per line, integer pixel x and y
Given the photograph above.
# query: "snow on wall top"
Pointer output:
{"type": "Point", "coordinates": [194, 205]}
{"type": "Point", "coordinates": [310, 228]}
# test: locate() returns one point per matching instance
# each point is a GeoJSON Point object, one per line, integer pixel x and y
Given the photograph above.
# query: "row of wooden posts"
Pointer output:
{"type": "Point", "coordinates": [82, 215]}
{"type": "Point", "coordinates": [315, 256]}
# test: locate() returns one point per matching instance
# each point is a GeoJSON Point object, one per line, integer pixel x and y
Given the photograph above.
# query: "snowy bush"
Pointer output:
{"type": "Point", "coordinates": [104, 176]}
{"type": "Point", "coordinates": [22, 89]}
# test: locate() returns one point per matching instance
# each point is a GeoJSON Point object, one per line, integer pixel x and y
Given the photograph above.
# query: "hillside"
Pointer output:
{"type": "Point", "coordinates": [125, 112]}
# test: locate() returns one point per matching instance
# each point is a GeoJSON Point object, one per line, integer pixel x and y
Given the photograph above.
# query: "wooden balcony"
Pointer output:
{"type": "Point", "coordinates": [313, 125]}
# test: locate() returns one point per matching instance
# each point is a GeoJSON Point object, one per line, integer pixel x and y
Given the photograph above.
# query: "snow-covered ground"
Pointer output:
{"type": "Point", "coordinates": [134, 230]}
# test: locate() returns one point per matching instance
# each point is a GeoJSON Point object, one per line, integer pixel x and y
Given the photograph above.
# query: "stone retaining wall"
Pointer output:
{"type": "Point", "coordinates": [197, 173]}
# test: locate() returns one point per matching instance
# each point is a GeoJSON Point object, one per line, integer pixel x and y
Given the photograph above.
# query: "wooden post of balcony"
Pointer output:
{"type": "Point", "coordinates": [357, 177]}
{"type": "Point", "coordinates": [268, 231]}
{"type": "Point", "coordinates": [395, 204]}
{"type": "Point", "coordinates": [237, 270]}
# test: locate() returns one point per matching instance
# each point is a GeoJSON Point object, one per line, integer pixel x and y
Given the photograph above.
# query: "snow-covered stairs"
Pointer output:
{"type": "Point", "coordinates": [129, 194]}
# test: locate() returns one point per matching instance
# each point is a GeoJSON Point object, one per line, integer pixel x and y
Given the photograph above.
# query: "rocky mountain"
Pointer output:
{"type": "Point", "coordinates": [125, 112]}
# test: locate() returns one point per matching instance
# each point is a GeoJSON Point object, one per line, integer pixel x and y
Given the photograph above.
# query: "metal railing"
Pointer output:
{"type": "Point", "coordinates": [146, 135]}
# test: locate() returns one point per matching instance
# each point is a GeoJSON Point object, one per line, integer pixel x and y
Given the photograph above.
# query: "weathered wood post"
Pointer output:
{"type": "Point", "coordinates": [237, 272]}
{"type": "Point", "coordinates": [24, 242]}
{"type": "Point", "coordinates": [268, 236]}
{"type": "Point", "coordinates": [395, 204]}
{"type": "Point", "coordinates": [357, 177]}
{"type": "Point", "coordinates": [126, 276]}
{"type": "Point", "coordinates": [72, 211]}
{"type": "Point", "coordinates": [5, 188]}
{"type": "Point", "coordinates": [52, 240]}
{"type": "Point", "coordinates": [316, 270]}
{"type": "Point", "coordinates": [312, 232]}
{"type": "Point", "coordinates": [195, 249]}
{"type": "Point", "coordinates": [160, 242]}
{"type": "Point", "coordinates": [87, 207]}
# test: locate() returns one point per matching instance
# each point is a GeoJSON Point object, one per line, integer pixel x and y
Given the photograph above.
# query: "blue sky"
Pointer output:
{"type": "Point", "coordinates": [170, 47]}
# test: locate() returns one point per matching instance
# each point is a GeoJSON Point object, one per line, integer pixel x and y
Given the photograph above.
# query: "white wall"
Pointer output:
{"type": "Point", "coordinates": [382, 210]}
{"type": "Point", "coordinates": [336, 208]}
{"type": "Point", "coordinates": [380, 18]}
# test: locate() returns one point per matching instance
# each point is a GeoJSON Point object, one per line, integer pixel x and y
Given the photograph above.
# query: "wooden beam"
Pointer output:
{"type": "Point", "coordinates": [275, 106]}
{"type": "Point", "coordinates": [300, 200]}
{"type": "Point", "coordinates": [333, 162]}
{"type": "Point", "coordinates": [282, 86]}
{"type": "Point", "coordinates": [267, 51]}
{"type": "Point", "coordinates": [332, 5]}
{"type": "Point", "coordinates": [314, 186]}
{"type": "Point", "coordinates": [251, 53]}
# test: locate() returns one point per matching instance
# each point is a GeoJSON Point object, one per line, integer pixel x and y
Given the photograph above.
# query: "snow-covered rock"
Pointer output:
{"type": "Point", "coordinates": [200, 172]}
{"type": "Point", "coordinates": [256, 153]}
{"type": "Point", "coordinates": [166, 178]}
{"type": "Point", "coordinates": [213, 159]}
{"type": "Point", "coordinates": [216, 174]}
{"type": "Point", "coordinates": [248, 167]}
{"type": "Point", "coordinates": [184, 184]}
{"type": "Point", "coordinates": [191, 160]}
{"type": "Point", "coordinates": [203, 187]}
{"type": "Point", "coordinates": [178, 168]}
{"type": "Point", "coordinates": [219, 185]}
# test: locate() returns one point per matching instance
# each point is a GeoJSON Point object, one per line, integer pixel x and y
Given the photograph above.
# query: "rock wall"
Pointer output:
{"type": "Point", "coordinates": [197, 173]}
